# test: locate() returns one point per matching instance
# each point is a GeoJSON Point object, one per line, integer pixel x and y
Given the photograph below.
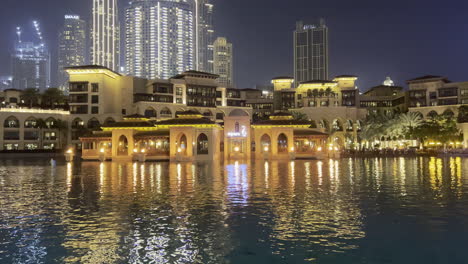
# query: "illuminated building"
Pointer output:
{"type": "Point", "coordinates": [222, 61]}
{"type": "Point", "coordinates": [105, 34]}
{"type": "Point", "coordinates": [310, 52]}
{"type": "Point", "coordinates": [160, 38]}
{"type": "Point", "coordinates": [72, 47]}
{"type": "Point", "coordinates": [30, 62]}
{"type": "Point", "coordinates": [204, 35]}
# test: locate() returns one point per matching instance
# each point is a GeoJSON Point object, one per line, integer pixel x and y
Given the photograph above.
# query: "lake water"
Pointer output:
{"type": "Point", "coordinates": [395, 210]}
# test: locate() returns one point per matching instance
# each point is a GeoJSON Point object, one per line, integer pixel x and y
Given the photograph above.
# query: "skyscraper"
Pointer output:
{"type": "Point", "coordinates": [310, 52]}
{"type": "Point", "coordinates": [105, 34]}
{"type": "Point", "coordinates": [72, 47]}
{"type": "Point", "coordinates": [222, 61]}
{"type": "Point", "coordinates": [204, 35]}
{"type": "Point", "coordinates": [159, 38]}
{"type": "Point", "coordinates": [30, 62]}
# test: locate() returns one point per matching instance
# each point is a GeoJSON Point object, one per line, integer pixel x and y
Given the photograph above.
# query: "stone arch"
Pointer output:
{"type": "Point", "coordinates": [238, 112]}
{"type": "Point", "coordinates": [220, 115]}
{"type": "Point", "coordinates": [109, 121]}
{"type": "Point", "coordinates": [31, 122]}
{"type": "Point", "coordinates": [265, 143]}
{"type": "Point", "coordinates": [207, 113]}
{"type": "Point", "coordinates": [202, 144]}
{"type": "Point", "coordinates": [282, 143]}
{"type": "Point", "coordinates": [349, 125]}
{"type": "Point", "coordinates": [77, 123]}
{"type": "Point", "coordinates": [337, 125]}
{"type": "Point", "coordinates": [165, 112]}
{"type": "Point", "coordinates": [182, 144]}
{"type": "Point", "coordinates": [432, 114]}
{"type": "Point", "coordinates": [448, 113]}
{"type": "Point", "coordinates": [93, 123]}
{"type": "Point", "coordinates": [324, 124]}
{"type": "Point", "coordinates": [150, 112]}
{"type": "Point", "coordinates": [122, 148]}
{"type": "Point", "coordinates": [11, 122]}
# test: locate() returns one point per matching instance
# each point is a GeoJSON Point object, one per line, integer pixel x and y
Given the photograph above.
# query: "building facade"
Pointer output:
{"type": "Point", "coordinates": [30, 65]}
{"type": "Point", "coordinates": [223, 62]}
{"type": "Point", "coordinates": [160, 38]}
{"type": "Point", "coordinates": [105, 34]}
{"type": "Point", "coordinates": [72, 47]}
{"type": "Point", "coordinates": [204, 35]}
{"type": "Point", "coordinates": [310, 52]}
{"type": "Point", "coordinates": [431, 95]}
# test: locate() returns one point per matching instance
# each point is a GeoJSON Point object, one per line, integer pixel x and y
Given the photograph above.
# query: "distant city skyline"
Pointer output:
{"type": "Point", "coordinates": [397, 42]}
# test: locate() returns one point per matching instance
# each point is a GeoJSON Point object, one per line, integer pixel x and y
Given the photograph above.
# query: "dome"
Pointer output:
{"type": "Point", "coordinates": [388, 82]}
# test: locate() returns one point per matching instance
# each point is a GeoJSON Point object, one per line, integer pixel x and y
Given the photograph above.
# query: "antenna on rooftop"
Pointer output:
{"type": "Point", "coordinates": [18, 33]}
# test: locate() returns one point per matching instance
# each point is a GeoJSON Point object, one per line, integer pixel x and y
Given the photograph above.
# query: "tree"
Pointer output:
{"type": "Point", "coordinates": [52, 96]}
{"type": "Point", "coordinates": [463, 114]}
{"type": "Point", "coordinates": [30, 96]}
{"type": "Point", "coordinates": [299, 116]}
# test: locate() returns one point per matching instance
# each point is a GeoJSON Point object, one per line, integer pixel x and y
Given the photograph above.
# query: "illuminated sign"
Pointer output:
{"type": "Point", "coordinates": [72, 17]}
{"type": "Point", "coordinates": [242, 133]}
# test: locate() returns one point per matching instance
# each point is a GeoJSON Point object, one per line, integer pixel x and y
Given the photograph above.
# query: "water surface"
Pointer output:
{"type": "Point", "coordinates": [395, 210]}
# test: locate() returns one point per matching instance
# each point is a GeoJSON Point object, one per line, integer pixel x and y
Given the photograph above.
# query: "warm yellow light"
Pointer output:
{"type": "Point", "coordinates": [431, 143]}
{"type": "Point", "coordinates": [70, 151]}
{"type": "Point", "coordinates": [236, 149]}
{"type": "Point", "coordinates": [102, 150]}
{"type": "Point", "coordinates": [135, 150]}
{"type": "Point", "coordinates": [330, 148]}
{"type": "Point", "coordinates": [179, 150]}
{"type": "Point", "coordinates": [319, 149]}
{"type": "Point", "coordinates": [292, 149]}
{"type": "Point", "coordinates": [143, 151]}
{"type": "Point", "coordinates": [336, 148]}
{"type": "Point", "coordinates": [266, 149]}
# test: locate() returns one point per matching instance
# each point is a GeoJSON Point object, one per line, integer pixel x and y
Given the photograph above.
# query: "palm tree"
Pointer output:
{"type": "Point", "coordinates": [30, 96]}
{"type": "Point", "coordinates": [409, 122]}
{"type": "Point", "coordinates": [315, 94]}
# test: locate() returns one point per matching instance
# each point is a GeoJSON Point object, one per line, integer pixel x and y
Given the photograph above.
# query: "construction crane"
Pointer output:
{"type": "Point", "coordinates": [38, 32]}
{"type": "Point", "coordinates": [18, 33]}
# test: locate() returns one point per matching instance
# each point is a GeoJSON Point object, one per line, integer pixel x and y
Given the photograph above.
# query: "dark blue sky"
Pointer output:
{"type": "Point", "coordinates": [371, 39]}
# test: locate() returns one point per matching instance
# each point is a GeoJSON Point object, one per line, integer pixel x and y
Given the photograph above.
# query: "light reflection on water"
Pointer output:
{"type": "Point", "coordinates": [394, 210]}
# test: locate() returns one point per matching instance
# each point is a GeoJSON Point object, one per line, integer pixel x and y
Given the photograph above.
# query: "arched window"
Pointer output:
{"type": "Point", "coordinates": [282, 143]}
{"type": "Point", "coordinates": [51, 122]}
{"type": "Point", "coordinates": [93, 123]}
{"type": "Point", "coordinates": [265, 142]}
{"type": "Point", "coordinates": [30, 123]}
{"type": "Point", "coordinates": [237, 128]}
{"type": "Point", "coordinates": [448, 113]}
{"type": "Point", "coordinates": [166, 112]}
{"type": "Point", "coordinates": [77, 123]}
{"type": "Point", "coordinates": [202, 144]}
{"type": "Point", "coordinates": [11, 122]}
{"type": "Point", "coordinates": [109, 121]}
{"type": "Point", "coordinates": [349, 125]}
{"type": "Point", "coordinates": [150, 113]}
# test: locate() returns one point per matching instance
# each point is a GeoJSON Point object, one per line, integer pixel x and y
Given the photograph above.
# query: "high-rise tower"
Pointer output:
{"type": "Point", "coordinates": [30, 62]}
{"type": "Point", "coordinates": [72, 47]}
{"type": "Point", "coordinates": [204, 35]}
{"type": "Point", "coordinates": [223, 61]}
{"type": "Point", "coordinates": [105, 34]}
{"type": "Point", "coordinates": [159, 38]}
{"type": "Point", "coordinates": [310, 52]}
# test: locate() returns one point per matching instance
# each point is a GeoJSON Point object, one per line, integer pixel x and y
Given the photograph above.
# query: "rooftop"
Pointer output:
{"type": "Point", "coordinates": [427, 78]}
{"type": "Point", "coordinates": [91, 67]}
{"type": "Point", "coordinates": [198, 74]}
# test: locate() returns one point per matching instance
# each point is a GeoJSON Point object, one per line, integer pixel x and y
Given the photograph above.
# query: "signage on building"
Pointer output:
{"type": "Point", "coordinates": [242, 133]}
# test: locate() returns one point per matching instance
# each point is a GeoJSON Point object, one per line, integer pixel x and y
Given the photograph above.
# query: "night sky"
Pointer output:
{"type": "Point", "coordinates": [367, 38]}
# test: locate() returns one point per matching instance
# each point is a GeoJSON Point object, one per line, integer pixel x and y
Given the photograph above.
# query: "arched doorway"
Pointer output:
{"type": "Point", "coordinates": [202, 144]}
{"type": "Point", "coordinates": [282, 143]}
{"type": "Point", "coordinates": [265, 143]}
{"type": "Point", "coordinates": [182, 145]}
{"type": "Point", "coordinates": [123, 146]}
